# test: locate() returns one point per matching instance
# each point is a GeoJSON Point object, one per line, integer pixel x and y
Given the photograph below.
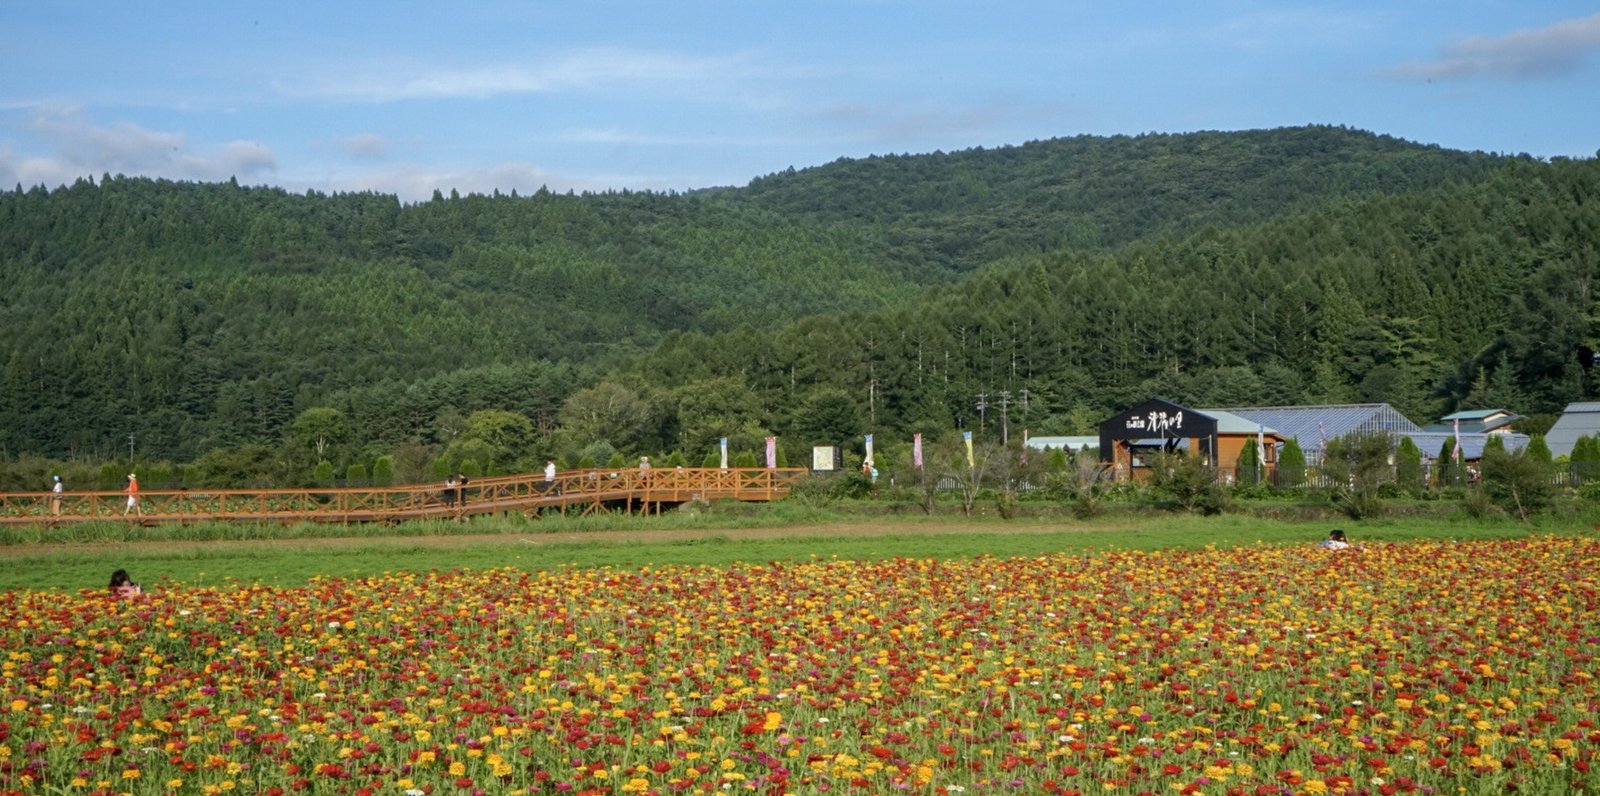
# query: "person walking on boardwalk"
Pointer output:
{"type": "Point", "coordinates": [133, 496]}
{"type": "Point", "coordinates": [56, 489]}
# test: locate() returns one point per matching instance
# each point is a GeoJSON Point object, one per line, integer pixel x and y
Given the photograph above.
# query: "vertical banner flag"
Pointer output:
{"type": "Point", "coordinates": [916, 451]}
{"type": "Point", "coordinates": [869, 448]}
{"type": "Point", "coordinates": [1322, 434]}
{"type": "Point", "coordinates": [966, 436]}
{"type": "Point", "coordinates": [724, 453]}
{"type": "Point", "coordinates": [1261, 447]}
{"type": "Point", "coordinates": [1458, 440]}
{"type": "Point", "coordinates": [772, 453]}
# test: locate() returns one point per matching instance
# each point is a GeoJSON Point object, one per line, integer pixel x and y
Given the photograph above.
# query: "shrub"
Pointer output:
{"type": "Point", "coordinates": [1291, 465]}
{"type": "Point", "coordinates": [1519, 483]}
{"type": "Point", "coordinates": [1190, 482]}
{"type": "Point", "coordinates": [383, 470]}
{"type": "Point", "coordinates": [1408, 467]}
{"type": "Point", "coordinates": [1357, 466]}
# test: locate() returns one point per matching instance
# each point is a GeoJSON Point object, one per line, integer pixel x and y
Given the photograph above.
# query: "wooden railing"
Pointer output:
{"type": "Point", "coordinates": [589, 490]}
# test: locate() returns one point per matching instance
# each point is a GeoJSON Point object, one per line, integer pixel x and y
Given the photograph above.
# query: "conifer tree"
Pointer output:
{"type": "Point", "coordinates": [1408, 466]}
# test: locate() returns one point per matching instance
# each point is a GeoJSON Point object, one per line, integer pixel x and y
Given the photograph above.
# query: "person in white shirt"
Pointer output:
{"type": "Point", "coordinates": [1335, 541]}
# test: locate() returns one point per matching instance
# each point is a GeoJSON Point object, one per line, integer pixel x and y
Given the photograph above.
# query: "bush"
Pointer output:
{"type": "Point", "coordinates": [824, 490]}
{"type": "Point", "coordinates": [1190, 482]}
{"type": "Point", "coordinates": [1291, 465]}
{"type": "Point", "coordinates": [1357, 465]}
{"type": "Point", "coordinates": [1517, 482]}
{"type": "Point", "coordinates": [383, 470]}
{"type": "Point", "coordinates": [1478, 504]}
{"type": "Point", "coordinates": [1408, 467]}
{"type": "Point", "coordinates": [1086, 482]}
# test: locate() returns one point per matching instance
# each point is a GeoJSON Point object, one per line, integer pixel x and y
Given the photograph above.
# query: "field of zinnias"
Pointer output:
{"type": "Point", "coordinates": [1414, 668]}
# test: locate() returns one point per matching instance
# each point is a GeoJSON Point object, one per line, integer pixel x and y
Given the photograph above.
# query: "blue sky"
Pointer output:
{"type": "Point", "coordinates": [405, 97]}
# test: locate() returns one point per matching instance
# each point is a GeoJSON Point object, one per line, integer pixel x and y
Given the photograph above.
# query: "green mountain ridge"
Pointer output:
{"type": "Point", "coordinates": [1086, 270]}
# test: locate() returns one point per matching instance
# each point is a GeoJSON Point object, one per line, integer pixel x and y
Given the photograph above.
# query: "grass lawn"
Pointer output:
{"type": "Point", "coordinates": [83, 558]}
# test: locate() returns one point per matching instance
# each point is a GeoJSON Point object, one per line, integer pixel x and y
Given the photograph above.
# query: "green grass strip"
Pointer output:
{"type": "Point", "coordinates": [282, 558]}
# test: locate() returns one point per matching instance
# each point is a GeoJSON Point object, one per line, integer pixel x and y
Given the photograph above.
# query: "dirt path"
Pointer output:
{"type": "Point", "coordinates": [456, 541]}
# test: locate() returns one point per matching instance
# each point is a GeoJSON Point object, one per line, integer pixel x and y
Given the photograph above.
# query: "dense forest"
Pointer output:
{"type": "Point", "coordinates": [1040, 286]}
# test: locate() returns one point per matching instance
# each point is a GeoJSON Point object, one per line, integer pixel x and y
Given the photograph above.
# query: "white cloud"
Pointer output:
{"type": "Point", "coordinates": [414, 183]}
{"type": "Point", "coordinates": [81, 149]}
{"type": "Point", "coordinates": [366, 145]}
{"type": "Point", "coordinates": [1551, 51]}
{"type": "Point", "coordinates": [583, 69]}
{"type": "Point", "coordinates": [900, 124]}
{"type": "Point", "coordinates": [1263, 31]}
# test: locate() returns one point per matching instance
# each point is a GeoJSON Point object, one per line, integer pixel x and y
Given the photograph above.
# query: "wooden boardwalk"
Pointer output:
{"type": "Point", "coordinates": [630, 489]}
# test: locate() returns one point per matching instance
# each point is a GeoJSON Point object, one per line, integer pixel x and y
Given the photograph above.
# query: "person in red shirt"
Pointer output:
{"type": "Point", "coordinates": [133, 496]}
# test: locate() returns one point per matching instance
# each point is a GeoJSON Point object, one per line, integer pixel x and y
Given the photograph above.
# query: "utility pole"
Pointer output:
{"type": "Point", "coordinates": [130, 449]}
{"type": "Point", "coordinates": [982, 407]}
{"type": "Point", "coordinates": [872, 397]}
{"type": "Point", "coordinates": [1005, 422]}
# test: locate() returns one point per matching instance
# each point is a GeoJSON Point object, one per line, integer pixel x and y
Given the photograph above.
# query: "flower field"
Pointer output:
{"type": "Point", "coordinates": [1408, 668]}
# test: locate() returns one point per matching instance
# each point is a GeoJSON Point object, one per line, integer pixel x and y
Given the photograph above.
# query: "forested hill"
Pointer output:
{"type": "Point", "coordinates": [965, 209]}
{"type": "Point", "coordinates": [1482, 294]}
{"type": "Point", "coordinates": [198, 316]}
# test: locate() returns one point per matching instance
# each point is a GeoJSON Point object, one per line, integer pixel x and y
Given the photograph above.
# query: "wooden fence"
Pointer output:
{"type": "Point", "coordinates": [587, 490]}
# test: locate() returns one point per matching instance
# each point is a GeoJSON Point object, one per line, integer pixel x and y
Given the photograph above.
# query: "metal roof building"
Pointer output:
{"type": "Point", "coordinates": [1063, 443]}
{"type": "Point", "coordinates": [1579, 420]}
{"type": "Point", "coordinates": [1432, 442]}
{"type": "Point", "coordinates": [1310, 425]}
{"type": "Point", "coordinates": [1476, 421]}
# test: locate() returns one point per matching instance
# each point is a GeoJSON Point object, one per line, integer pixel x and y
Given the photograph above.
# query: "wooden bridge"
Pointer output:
{"type": "Point", "coordinates": [588, 491]}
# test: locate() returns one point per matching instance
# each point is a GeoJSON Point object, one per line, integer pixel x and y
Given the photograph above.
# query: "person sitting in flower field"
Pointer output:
{"type": "Point", "coordinates": [1335, 541]}
{"type": "Point", "coordinates": [123, 586]}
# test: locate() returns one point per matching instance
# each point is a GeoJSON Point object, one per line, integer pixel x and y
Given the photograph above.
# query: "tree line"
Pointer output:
{"type": "Point", "coordinates": [1037, 287]}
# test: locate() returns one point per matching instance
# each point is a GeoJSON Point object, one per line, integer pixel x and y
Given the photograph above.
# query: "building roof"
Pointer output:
{"type": "Point", "coordinates": [1310, 425]}
{"type": "Point", "coordinates": [1476, 414]}
{"type": "Point", "coordinates": [1065, 443]}
{"type": "Point", "coordinates": [1475, 421]}
{"type": "Point", "coordinates": [1230, 423]}
{"type": "Point", "coordinates": [1579, 420]}
{"type": "Point", "coordinates": [1431, 443]}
